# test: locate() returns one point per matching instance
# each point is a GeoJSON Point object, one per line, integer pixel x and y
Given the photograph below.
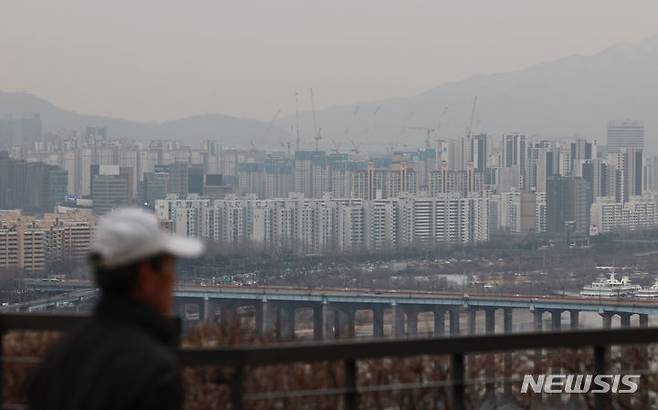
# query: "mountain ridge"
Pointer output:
{"type": "Point", "coordinates": [571, 96]}
{"type": "Point", "coordinates": [192, 129]}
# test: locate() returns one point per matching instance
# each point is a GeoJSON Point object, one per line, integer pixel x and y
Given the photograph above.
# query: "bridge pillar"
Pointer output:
{"type": "Point", "coordinates": [265, 317]}
{"type": "Point", "coordinates": [507, 320]}
{"type": "Point", "coordinates": [378, 321]}
{"type": "Point", "coordinates": [537, 320]}
{"type": "Point", "coordinates": [228, 314]}
{"type": "Point", "coordinates": [320, 313]}
{"type": "Point", "coordinates": [606, 320]}
{"type": "Point", "coordinates": [644, 320]}
{"type": "Point", "coordinates": [454, 321]}
{"type": "Point", "coordinates": [286, 328]}
{"type": "Point", "coordinates": [574, 318]}
{"type": "Point", "coordinates": [471, 322]}
{"type": "Point", "coordinates": [412, 321]}
{"type": "Point", "coordinates": [556, 319]}
{"type": "Point", "coordinates": [344, 318]}
{"type": "Point", "coordinates": [490, 320]}
{"type": "Point", "coordinates": [398, 320]}
{"type": "Point", "coordinates": [439, 321]}
{"type": "Point", "coordinates": [625, 319]}
{"type": "Point", "coordinates": [205, 310]}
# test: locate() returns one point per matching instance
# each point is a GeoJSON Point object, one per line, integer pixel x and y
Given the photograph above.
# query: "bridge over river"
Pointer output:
{"type": "Point", "coordinates": [334, 310]}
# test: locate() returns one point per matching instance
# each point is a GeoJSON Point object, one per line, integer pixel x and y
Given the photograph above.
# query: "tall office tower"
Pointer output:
{"type": "Point", "coordinates": [568, 200]}
{"type": "Point", "coordinates": [56, 187]}
{"type": "Point", "coordinates": [156, 186]}
{"type": "Point", "coordinates": [179, 179]}
{"type": "Point", "coordinates": [479, 151]}
{"type": "Point", "coordinates": [34, 187]}
{"type": "Point", "coordinates": [109, 189]}
{"type": "Point", "coordinates": [625, 134]}
{"type": "Point", "coordinates": [19, 130]}
{"type": "Point", "coordinates": [195, 179]}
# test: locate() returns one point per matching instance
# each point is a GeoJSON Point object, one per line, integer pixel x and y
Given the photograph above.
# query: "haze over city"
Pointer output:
{"type": "Point", "coordinates": [339, 205]}
{"type": "Point", "coordinates": [155, 61]}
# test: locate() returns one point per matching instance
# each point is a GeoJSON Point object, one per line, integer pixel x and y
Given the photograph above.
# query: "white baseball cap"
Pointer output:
{"type": "Point", "coordinates": [129, 235]}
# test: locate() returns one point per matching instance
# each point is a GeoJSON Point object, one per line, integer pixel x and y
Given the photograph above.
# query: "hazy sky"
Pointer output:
{"type": "Point", "coordinates": [159, 59]}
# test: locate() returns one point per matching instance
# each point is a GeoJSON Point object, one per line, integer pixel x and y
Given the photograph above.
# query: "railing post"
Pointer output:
{"type": "Point", "coordinates": [600, 400]}
{"type": "Point", "coordinates": [351, 394]}
{"type": "Point", "coordinates": [457, 378]}
{"type": "Point", "coordinates": [236, 389]}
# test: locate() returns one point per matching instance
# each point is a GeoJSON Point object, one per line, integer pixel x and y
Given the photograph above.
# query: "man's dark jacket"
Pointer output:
{"type": "Point", "coordinates": [122, 359]}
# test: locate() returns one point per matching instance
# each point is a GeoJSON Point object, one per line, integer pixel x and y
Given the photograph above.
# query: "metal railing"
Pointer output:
{"type": "Point", "coordinates": [350, 352]}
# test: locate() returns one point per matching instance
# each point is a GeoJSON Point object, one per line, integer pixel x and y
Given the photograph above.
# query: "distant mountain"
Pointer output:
{"type": "Point", "coordinates": [231, 131]}
{"type": "Point", "coordinates": [575, 95]}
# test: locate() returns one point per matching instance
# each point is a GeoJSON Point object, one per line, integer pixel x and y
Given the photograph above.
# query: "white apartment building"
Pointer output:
{"type": "Point", "coordinates": [638, 213]}
{"type": "Point", "coordinates": [324, 226]}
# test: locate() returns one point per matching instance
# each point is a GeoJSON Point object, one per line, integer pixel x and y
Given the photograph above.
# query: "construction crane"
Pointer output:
{"type": "Point", "coordinates": [469, 130]}
{"type": "Point", "coordinates": [336, 145]}
{"type": "Point", "coordinates": [355, 147]}
{"type": "Point", "coordinates": [298, 140]}
{"type": "Point", "coordinates": [317, 130]}
{"type": "Point", "coordinates": [428, 139]}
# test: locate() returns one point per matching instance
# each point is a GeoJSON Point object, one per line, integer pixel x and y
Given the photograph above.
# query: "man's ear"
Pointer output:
{"type": "Point", "coordinates": [143, 280]}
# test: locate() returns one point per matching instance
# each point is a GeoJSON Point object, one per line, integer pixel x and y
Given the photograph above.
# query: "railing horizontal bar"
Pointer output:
{"type": "Point", "coordinates": [362, 349]}
{"type": "Point", "coordinates": [40, 321]}
{"type": "Point", "coordinates": [373, 349]}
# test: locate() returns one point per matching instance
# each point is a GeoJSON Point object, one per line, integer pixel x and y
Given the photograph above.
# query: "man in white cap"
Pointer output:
{"type": "Point", "coordinates": [124, 357]}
